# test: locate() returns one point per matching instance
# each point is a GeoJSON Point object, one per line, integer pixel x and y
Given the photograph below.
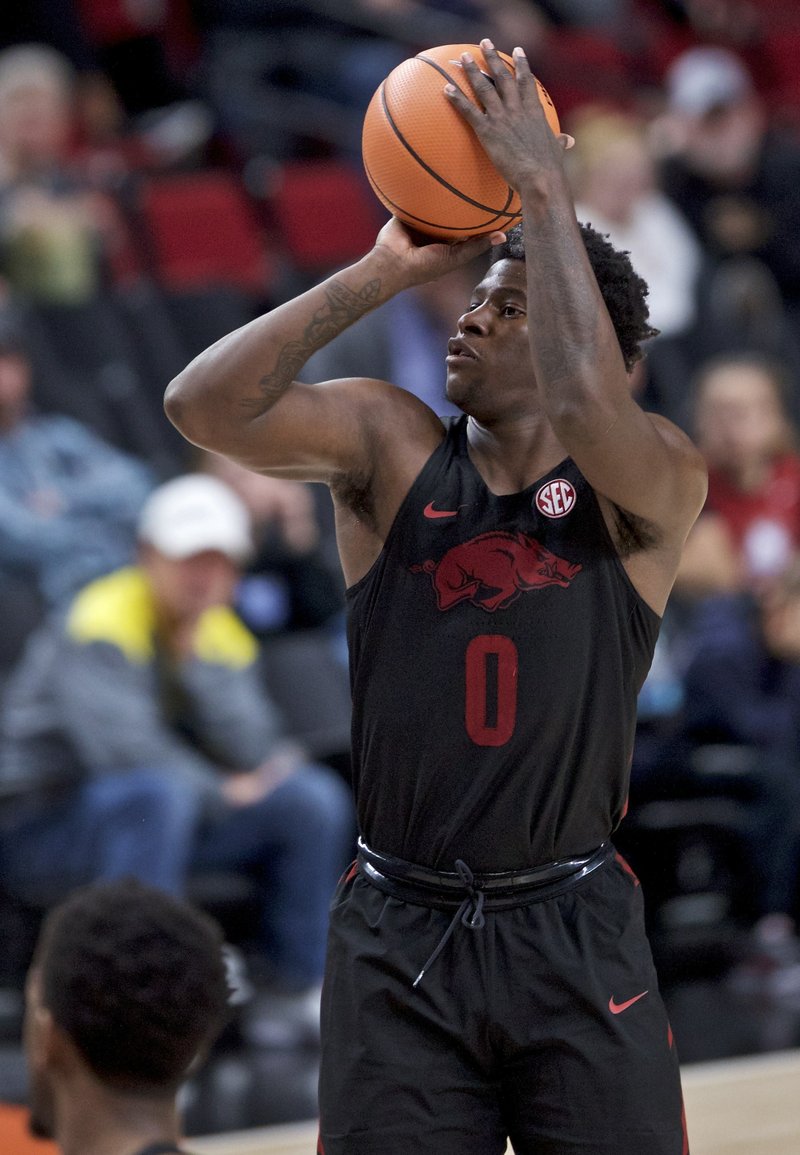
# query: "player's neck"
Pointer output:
{"type": "Point", "coordinates": [511, 455]}
{"type": "Point", "coordinates": [114, 1124]}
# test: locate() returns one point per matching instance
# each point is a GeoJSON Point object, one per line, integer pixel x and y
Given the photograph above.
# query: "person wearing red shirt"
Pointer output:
{"type": "Point", "coordinates": [750, 529]}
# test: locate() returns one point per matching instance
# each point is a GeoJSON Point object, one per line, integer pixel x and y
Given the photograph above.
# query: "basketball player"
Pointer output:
{"type": "Point", "coordinates": [128, 987]}
{"type": "Point", "coordinates": [488, 975]}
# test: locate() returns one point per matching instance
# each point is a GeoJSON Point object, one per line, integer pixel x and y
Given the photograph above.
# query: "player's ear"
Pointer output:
{"type": "Point", "coordinates": [38, 1026]}
{"type": "Point", "coordinates": [47, 1047]}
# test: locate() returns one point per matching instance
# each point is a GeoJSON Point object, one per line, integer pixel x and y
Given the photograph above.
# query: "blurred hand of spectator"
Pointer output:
{"type": "Point", "coordinates": [709, 563]}
{"type": "Point", "coordinates": [780, 619]}
{"type": "Point", "coordinates": [285, 506]}
{"type": "Point", "coordinates": [246, 787]}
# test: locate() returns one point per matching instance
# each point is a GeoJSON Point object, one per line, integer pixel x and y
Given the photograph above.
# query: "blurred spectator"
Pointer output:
{"type": "Point", "coordinates": [734, 177]}
{"type": "Point", "coordinates": [614, 182]}
{"type": "Point", "coordinates": [743, 687]}
{"type": "Point", "coordinates": [138, 740]}
{"type": "Point", "coordinates": [149, 51]}
{"type": "Point", "coordinates": [291, 596]}
{"type": "Point", "coordinates": [744, 681]}
{"type": "Point", "coordinates": [58, 236]}
{"type": "Point", "coordinates": [750, 529]}
{"type": "Point", "coordinates": [126, 993]}
{"type": "Point", "coordinates": [289, 78]}
{"type": "Point", "coordinates": [764, 33]}
{"type": "Point", "coordinates": [69, 502]}
{"type": "Point", "coordinates": [288, 583]}
{"type": "Point", "coordinates": [748, 533]}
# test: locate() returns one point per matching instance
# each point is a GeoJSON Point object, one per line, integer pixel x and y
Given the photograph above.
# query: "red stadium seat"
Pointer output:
{"type": "Point", "coordinates": [324, 211]}
{"type": "Point", "coordinates": [200, 230]}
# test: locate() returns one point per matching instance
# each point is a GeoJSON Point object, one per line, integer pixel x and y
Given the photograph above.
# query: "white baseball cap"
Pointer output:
{"type": "Point", "coordinates": [195, 513]}
{"type": "Point", "coordinates": [705, 78]}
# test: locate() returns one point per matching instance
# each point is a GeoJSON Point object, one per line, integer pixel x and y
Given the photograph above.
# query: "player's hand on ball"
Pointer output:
{"type": "Point", "coordinates": [421, 259]}
{"type": "Point", "coordinates": [510, 121]}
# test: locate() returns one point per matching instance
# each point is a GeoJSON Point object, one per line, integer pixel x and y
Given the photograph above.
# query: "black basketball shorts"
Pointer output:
{"type": "Point", "coordinates": [544, 1026]}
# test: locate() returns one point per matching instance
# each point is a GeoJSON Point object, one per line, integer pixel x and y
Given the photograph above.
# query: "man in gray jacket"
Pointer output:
{"type": "Point", "coordinates": [137, 740]}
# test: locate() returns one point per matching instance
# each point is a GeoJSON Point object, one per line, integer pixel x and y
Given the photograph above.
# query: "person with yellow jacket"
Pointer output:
{"type": "Point", "coordinates": [137, 740]}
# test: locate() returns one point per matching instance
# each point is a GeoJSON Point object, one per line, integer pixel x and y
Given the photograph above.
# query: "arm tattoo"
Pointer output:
{"type": "Point", "coordinates": [343, 307]}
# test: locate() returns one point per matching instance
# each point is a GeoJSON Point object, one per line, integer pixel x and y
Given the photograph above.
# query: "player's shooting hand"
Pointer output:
{"type": "Point", "coordinates": [510, 122]}
{"type": "Point", "coordinates": [418, 258]}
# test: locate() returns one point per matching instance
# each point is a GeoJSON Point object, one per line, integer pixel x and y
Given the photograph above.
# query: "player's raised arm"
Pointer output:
{"type": "Point", "coordinates": [240, 397]}
{"type": "Point", "coordinates": [639, 462]}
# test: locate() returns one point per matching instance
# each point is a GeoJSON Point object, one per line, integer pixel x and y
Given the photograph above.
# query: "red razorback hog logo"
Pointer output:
{"type": "Point", "coordinates": [493, 569]}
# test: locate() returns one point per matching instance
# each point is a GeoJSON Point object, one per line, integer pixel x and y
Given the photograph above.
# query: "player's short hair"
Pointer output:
{"type": "Point", "coordinates": [622, 289]}
{"type": "Point", "coordinates": [136, 979]}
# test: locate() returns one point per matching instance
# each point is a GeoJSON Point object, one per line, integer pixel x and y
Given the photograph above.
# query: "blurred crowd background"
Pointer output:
{"type": "Point", "coordinates": [171, 168]}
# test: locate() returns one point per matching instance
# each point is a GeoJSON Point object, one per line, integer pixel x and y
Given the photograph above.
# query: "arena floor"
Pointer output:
{"type": "Point", "coordinates": [736, 1107]}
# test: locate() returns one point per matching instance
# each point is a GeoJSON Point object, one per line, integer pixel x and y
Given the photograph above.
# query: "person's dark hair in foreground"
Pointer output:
{"type": "Point", "coordinates": [126, 991]}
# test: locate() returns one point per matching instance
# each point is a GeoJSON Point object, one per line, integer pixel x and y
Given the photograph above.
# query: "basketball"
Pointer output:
{"type": "Point", "coordinates": [424, 162]}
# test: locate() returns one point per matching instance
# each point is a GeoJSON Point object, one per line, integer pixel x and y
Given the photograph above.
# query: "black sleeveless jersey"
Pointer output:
{"type": "Point", "coordinates": [497, 648]}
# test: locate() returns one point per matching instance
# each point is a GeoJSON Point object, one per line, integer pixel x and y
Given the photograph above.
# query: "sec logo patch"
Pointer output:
{"type": "Point", "coordinates": [556, 498]}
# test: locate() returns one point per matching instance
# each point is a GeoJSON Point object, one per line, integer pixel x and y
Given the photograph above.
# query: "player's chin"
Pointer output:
{"type": "Point", "coordinates": [455, 392]}
{"type": "Point", "coordinates": [458, 382]}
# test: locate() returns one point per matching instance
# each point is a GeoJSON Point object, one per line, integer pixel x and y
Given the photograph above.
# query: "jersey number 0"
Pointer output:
{"type": "Point", "coordinates": [490, 703]}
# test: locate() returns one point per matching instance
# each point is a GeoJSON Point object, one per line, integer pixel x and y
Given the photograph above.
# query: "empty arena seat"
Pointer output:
{"type": "Point", "coordinates": [324, 211]}
{"type": "Point", "coordinates": [200, 229]}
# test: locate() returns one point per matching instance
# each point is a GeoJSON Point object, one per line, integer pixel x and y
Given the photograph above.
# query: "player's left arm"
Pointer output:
{"type": "Point", "coordinates": [639, 461]}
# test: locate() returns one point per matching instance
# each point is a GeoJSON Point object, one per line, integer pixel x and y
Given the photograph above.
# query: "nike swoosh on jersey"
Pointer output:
{"type": "Point", "coordinates": [618, 1008]}
{"type": "Point", "coordinates": [430, 512]}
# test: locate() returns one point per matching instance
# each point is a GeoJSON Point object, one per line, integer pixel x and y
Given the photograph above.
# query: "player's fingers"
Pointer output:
{"type": "Point", "coordinates": [521, 66]}
{"type": "Point", "coordinates": [465, 106]}
{"type": "Point", "coordinates": [501, 74]}
{"type": "Point", "coordinates": [467, 250]}
{"type": "Point", "coordinates": [482, 85]}
{"type": "Point", "coordinates": [526, 81]}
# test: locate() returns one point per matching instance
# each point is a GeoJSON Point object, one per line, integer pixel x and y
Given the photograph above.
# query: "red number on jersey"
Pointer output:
{"type": "Point", "coordinates": [490, 706]}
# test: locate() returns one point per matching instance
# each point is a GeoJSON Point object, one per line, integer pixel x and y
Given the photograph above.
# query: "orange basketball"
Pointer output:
{"type": "Point", "coordinates": [424, 162]}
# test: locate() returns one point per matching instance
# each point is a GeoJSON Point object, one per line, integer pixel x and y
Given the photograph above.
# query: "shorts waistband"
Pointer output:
{"type": "Point", "coordinates": [446, 890]}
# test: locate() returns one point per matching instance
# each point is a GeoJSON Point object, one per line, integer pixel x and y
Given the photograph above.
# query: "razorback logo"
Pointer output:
{"type": "Point", "coordinates": [493, 569]}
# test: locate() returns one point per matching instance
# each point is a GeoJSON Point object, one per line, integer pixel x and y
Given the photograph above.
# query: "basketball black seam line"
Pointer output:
{"type": "Point", "coordinates": [427, 168]}
{"type": "Point", "coordinates": [513, 217]}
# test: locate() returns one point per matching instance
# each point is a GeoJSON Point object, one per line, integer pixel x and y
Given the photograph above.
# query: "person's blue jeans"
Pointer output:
{"type": "Point", "coordinates": [294, 843]}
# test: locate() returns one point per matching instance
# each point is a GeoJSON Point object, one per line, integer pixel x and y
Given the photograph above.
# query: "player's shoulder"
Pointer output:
{"type": "Point", "coordinates": [387, 409]}
{"type": "Point", "coordinates": [686, 453]}
{"type": "Point", "coordinates": [673, 433]}
{"type": "Point", "coordinates": [689, 475]}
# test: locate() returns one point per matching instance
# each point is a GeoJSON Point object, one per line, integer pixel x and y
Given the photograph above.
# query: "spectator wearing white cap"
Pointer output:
{"type": "Point", "coordinates": [137, 741]}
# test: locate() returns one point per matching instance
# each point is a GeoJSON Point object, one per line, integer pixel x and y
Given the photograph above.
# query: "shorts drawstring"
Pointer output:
{"type": "Point", "coordinates": [469, 914]}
